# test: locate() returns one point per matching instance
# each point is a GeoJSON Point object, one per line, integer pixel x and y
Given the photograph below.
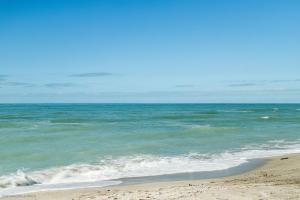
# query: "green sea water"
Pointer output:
{"type": "Point", "coordinates": [47, 144]}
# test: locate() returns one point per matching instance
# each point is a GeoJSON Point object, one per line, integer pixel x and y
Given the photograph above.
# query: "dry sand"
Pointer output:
{"type": "Point", "coordinates": [278, 179]}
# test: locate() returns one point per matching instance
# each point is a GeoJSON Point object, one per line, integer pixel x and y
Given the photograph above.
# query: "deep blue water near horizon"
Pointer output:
{"type": "Point", "coordinates": [47, 144]}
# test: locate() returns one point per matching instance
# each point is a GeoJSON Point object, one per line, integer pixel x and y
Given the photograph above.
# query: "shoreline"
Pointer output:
{"type": "Point", "coordinates": [183, 176]}
{"type": "Point", "coordinates": [277, 178]}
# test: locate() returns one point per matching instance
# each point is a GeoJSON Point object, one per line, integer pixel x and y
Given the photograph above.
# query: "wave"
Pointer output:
{"type": "Point", "coordinates": [110, 169]}
{"type": "Point", "coordinates": [236, 111]}
{"type": "Point", "coordinates": [68, 121]}
{"type": "Point", "coordinates": [5, 124]}
{"type": "Point", "coordinates": [195, 115]}
{"type": "Point", "coordinates": [208, 127]}
{"type": "Point", "coordinates": [265, 117]}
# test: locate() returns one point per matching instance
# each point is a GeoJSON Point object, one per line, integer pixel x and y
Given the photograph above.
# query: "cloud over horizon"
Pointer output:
{"type": "Point", "coordinates": [21, 84]}
{"type": "Point", "coordinates": [3, 77]}
{"type": "Point", "coordinates": [59, 85]}
{"type": "Point", "coordinates": [245, 83]}
{"type": "Point", "coordinates": [93, 74]}
{"type": "Point", "coordinates": [201, 96]}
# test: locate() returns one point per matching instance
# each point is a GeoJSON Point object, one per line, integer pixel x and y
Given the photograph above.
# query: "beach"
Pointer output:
{"type": "Point", "coordinates": [278, 178]}
{"type": "Point", "coordinates": [149, 100]}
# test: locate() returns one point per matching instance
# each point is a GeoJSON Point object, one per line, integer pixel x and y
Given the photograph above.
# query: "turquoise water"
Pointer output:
{"type": "Point", "coordinates": [69, 143]}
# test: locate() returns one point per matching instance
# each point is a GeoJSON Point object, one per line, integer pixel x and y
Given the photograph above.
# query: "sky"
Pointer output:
{"type": "Point", "coordinates": [149, 51]}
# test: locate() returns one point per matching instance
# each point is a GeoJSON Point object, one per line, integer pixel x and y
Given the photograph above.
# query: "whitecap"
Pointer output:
{"type": "Point", "coordinates": [207, 127]}
{"type": "Point", "coordinates": [265, 117]}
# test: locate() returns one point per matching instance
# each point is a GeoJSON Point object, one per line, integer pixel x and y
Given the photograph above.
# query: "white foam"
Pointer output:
{"type": "Point", "coordinates": [202, 127]}
{"type": "Point", "coordinates": [50, 187]}
{"type": "Point", "coordinates": [208, 127]}
{"type": "Point", "coordinates": [139, 165]}
{"type": "Point", "coordinates": [265, 117]}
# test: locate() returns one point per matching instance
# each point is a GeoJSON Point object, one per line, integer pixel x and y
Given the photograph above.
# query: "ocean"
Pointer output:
{"type": "Point", "coordinates": [44, 146]}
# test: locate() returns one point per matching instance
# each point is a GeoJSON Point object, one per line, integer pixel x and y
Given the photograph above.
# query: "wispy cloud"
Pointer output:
{"type": "Point", "coordinates": [247, 83]}
{"type": "Point", "coordinates": [2, 77]}
{"type": "Point", "coordinates": [95, 74]}
{"type": "Point", "coordinates": [59, 85]}
{"type": "Point", "coordinates": [257, 95]}
{"type": "Point", "coordinates": [283, 81]}
{"type": "Point", "coordinates": [5, 82]}
{"type": "Point", "coordinates": [17, 84]}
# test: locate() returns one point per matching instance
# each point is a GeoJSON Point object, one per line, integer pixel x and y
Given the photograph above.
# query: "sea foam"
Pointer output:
{"type": "Point", "coordinates": [265, 117]}
{"type": "Point", "coordinates": [108, 171]}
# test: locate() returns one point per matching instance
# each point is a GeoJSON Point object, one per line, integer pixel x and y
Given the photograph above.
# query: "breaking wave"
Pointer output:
{"type": "Point", "coordinates": [144, 165]}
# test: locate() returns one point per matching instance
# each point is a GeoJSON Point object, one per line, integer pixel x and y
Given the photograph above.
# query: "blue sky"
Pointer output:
{"type": "Point", "coordinates": [149, 51]}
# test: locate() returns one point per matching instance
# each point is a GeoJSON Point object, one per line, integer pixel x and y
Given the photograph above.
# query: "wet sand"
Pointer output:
{"type": "Point", "coordinates": [278, 178]}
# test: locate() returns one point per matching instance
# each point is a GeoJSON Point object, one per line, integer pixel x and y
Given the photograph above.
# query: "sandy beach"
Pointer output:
{"type": "Point", "coordinates": [278, 178]}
